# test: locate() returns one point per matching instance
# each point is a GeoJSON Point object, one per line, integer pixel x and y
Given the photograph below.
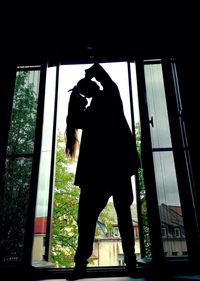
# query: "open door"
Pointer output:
{"type": "Point", "coordinates": [165, 161]}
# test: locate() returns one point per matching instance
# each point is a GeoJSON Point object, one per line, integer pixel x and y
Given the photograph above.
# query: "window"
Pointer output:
{"type": "Point", "coordinates": [116, 232]}
{"type": "Point", "coordinates": [177, 232]}
{"type": "Point", "coordinates": [19, 163]}
{"type": "Point", "coordinates": [164, 232]}
{"type": "Point", "coordinates": [184, 253]}
{"type": "Point", "coordinates": [174, 254]}
{"type": "Point", "coordinates": [50, 236]}
{"type": "Point", "coordinates": [165, 171]}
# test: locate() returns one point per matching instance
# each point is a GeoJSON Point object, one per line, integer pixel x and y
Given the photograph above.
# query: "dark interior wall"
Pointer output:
{"type": "Point", "coordinates": [30, 31]}
{"type": "Point", "coordinates": [189, 88]}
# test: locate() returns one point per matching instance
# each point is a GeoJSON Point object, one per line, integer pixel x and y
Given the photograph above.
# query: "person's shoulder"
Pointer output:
{"type": "Point", "coordinates": [109, 83]}
{"type": "Point", "coordinates": [113, 88]}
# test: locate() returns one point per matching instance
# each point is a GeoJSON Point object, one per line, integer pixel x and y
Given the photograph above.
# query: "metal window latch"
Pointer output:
{"type": "Point", "coordinates": [151, 121]}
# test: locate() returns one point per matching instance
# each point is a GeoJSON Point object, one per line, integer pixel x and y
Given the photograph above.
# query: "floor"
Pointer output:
{"type": "Point", "coordinates": [175, 278]}
{"type": "Point", "coordinates": [103, 279]}
{"type": "Point", "coordinates": [186, 277]}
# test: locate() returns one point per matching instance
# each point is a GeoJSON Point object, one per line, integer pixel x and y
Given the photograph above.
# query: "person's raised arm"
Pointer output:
{"type": "Point", "coordinates": [98, 72]}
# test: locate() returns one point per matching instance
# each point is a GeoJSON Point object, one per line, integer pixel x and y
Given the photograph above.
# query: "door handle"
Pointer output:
{"type": "Point", "coordinates": [151, 121]}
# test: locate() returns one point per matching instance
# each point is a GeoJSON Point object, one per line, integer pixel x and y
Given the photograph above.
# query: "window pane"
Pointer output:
{"type": "Point", "coordinates": [18, 167]}
{"type": "Point", "coordinates": [24, 112]}
{"type": "Point", "coordinates": [13, 208]}
{"type": "Point", "coordinates": [141, 190]}
{"type": "Point", "coordinates": [160, 134]}
{"type": "Point", "coordinates": [42, 201]}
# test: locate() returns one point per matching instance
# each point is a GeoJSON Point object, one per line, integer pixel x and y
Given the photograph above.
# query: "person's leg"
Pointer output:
{"type": "Point", "coordinates": [122, 200]}
{"type": "Point", "coordinates": [91, 203]}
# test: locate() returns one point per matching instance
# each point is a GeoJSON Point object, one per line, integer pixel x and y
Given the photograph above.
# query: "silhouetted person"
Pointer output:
{"type": "Point", "coordinates": [106, 162]}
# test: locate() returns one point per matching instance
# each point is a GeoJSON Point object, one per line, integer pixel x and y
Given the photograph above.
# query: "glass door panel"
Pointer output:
{"type": "Point", "coordinates": [16, 189]}
{"type": "Point", "coordinates": [140, 191]}
{"type": "Point", "coordinates": [173, 232]}
{"type": "Point", "coordinates": [42, 202]}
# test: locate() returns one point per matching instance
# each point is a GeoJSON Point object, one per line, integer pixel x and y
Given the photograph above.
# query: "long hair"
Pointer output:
{"type": "Point", "coordinates": [76, 104]}
{"type": "Point", "coordinates": [72, 141]}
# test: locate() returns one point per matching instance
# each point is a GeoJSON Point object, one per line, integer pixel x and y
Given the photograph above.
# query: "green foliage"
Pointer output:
{"type": "Point", "coordinates": [16, 182]}
{"type": "Point", "coordinates": [142, 190]}
{"type": "Point", "coordinates": [23, 119]}
{"type": "Point", "coordinates": [138, 138]}
{"type": "Point", "coordinates": [107, 219]}
{"type": "Point", "coordinates": [66, 196]}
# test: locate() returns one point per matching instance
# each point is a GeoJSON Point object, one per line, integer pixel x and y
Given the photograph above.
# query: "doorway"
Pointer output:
{"type": "Point", "coordinates": [55, 236]}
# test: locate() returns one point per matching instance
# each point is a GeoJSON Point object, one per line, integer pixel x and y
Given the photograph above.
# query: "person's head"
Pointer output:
{"type": "Point", "coordinates": [88, 88]}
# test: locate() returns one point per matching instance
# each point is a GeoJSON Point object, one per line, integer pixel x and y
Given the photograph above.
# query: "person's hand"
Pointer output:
{"type": "Point", "coordinates": [81, 101]}
{"type": "Point", "coordinates": [93, 71]}
{"type": "Point", "coordinates": [98, 72]}
{"type": "Point", "coordinates": [76, 99]}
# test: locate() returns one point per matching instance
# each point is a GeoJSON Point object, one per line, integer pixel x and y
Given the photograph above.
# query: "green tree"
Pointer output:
{"type": "Point", "coordinates": [22, 127]}
{"type": "Point", "coordinates": [142, 191]}
{"type": "Point", "coordinates": [64, 224]}
{"type": "Point", "coordinates": [14, 193]}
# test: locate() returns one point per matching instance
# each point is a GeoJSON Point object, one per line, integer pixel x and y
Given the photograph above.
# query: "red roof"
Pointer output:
{"type": "Point", "coordinates": [40, 225]}
{"type": "Point", "coordinates": [176, 209]}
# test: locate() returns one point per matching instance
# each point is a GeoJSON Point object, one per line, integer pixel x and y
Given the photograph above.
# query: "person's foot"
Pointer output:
{"type": "Point", "coordinates": [77, 273]}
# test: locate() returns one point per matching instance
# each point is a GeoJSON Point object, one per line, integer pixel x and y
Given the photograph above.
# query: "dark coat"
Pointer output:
{"type": "Point", "coordinates": [107, 152]}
